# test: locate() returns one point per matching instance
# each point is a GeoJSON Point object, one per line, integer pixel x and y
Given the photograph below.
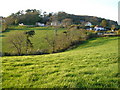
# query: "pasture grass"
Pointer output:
{"type": "Point", "coordinates": [93, 64]}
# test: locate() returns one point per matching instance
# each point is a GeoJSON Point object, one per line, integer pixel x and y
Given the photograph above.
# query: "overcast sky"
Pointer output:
{"type": "Point", "coordinates": [101, 8]}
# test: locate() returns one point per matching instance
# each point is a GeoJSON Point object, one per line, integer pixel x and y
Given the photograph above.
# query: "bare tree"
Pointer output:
{"type": "Point", "coordinates": [18, 41]}
{"type": "Point", "coordinates": [52, 40]}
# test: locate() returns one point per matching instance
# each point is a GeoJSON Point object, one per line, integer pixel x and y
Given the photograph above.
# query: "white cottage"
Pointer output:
{"type": "Point", "coordinates": [40, 24]}
{"type": "Point", "coordinates": [55, 23]}
{"type": "Point", "coordinates": [99, 28]}
{"type": "Point", "coordinates": [88, 24]}
{"type": "Point", "coordinates": [21, 24]}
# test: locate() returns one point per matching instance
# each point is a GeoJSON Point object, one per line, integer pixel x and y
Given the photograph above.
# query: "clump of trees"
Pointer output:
{"type": "Point", "coordinates": [27, 17]}
{"type": "Point", "coordinates": [61, 41]}
{"type": "Point", "coordinates": [103, 23]}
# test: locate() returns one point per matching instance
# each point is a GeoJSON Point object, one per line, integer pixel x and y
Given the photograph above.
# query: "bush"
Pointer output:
{"type": "Point", "coordinates": [118, 32]}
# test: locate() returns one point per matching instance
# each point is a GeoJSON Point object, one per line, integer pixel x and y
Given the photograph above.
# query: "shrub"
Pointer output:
{"type": "Point", "coordinates": [118, 32]}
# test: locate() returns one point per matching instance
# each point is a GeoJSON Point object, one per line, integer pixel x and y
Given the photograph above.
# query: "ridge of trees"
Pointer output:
{"type": "Point", "coordinates": [31, 16]}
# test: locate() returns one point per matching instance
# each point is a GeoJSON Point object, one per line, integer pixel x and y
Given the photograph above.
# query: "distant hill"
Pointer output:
{"type": "Point", "coordinates": [32, 16]}
{"type": "Point", "coordinates": [81, 19]}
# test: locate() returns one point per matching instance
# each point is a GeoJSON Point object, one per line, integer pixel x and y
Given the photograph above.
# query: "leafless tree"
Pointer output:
{"type": "Point", "coordinates": [18, 41]}
{"type": "Point", "coordinates": [52, 40]}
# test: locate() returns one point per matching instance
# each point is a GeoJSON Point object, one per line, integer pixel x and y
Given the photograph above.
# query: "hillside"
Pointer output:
{"type": "Point", "coordinates": [32, 17]}
{"type": "Point", "coordinates": [91, 65]}
{"type": "Point", "coordinates": [81, 19]}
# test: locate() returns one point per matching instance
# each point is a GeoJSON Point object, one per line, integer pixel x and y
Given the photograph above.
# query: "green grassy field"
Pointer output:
{"type": "Point", "coordinates": [93, 64]}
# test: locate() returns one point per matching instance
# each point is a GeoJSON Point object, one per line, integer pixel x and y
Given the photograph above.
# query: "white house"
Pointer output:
{"type": "Point", "coordinates": [21, 24]}
{"type": "Point", "coordinates": [89, 29]}
{"type": "Point", "coordinates": [88, 24]}
{"type": "Point", "coordinates": [99, 28]}
{"type": "Point", "coordinates": [55, 23]}
{"type": "Point", "coordinates": [40, 24]}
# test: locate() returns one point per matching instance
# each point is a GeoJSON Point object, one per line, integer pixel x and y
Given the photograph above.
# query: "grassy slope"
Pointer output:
{"type": "Point", "coordinates": [91, 65]}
